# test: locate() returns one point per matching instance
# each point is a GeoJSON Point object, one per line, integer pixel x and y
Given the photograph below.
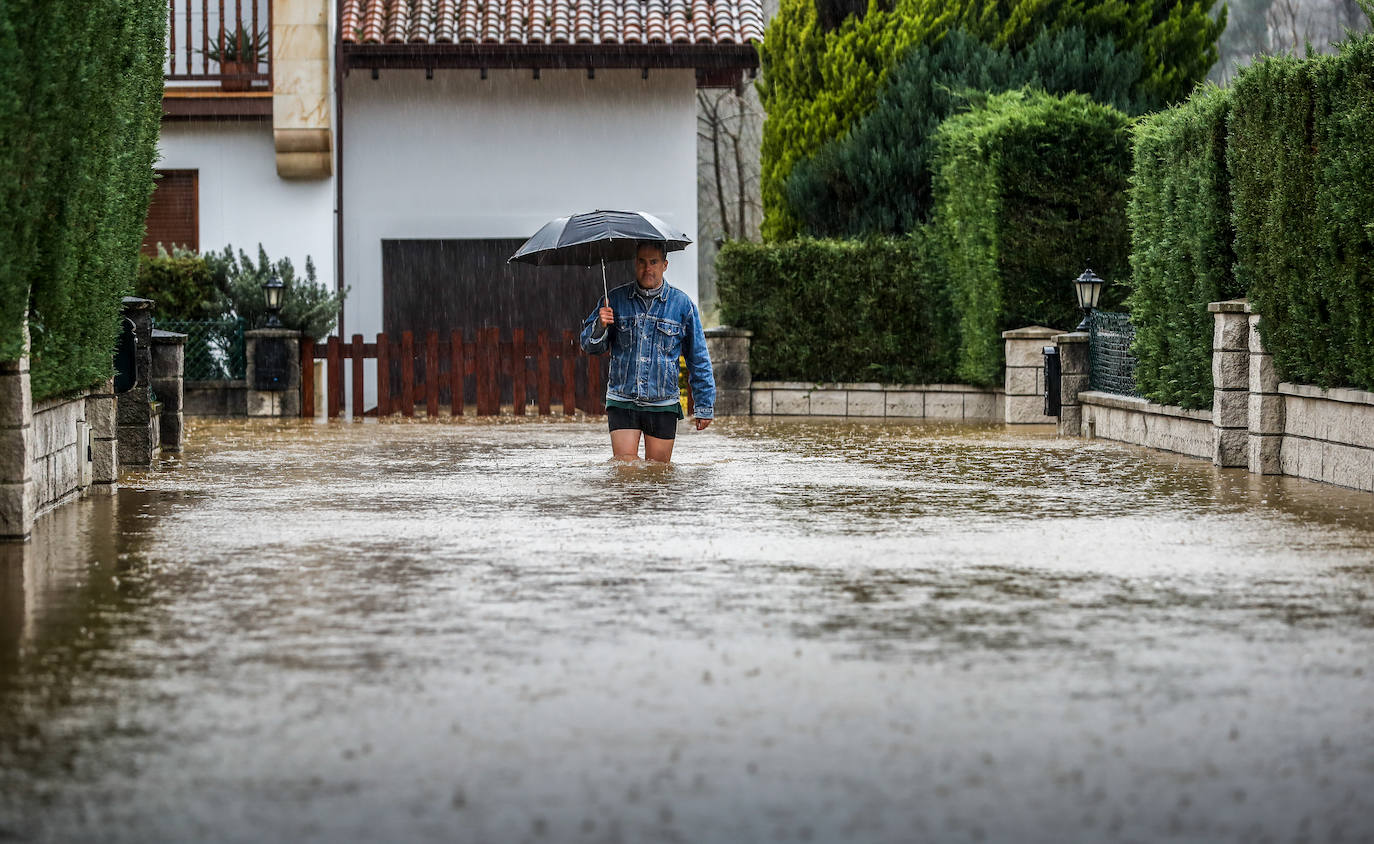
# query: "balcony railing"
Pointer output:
{"type": "Point", "coordinates": [221, 42]}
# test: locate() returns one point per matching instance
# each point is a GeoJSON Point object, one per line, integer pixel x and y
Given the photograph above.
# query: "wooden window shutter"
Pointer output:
{"type": "Point", "coordinates": [173, 215]}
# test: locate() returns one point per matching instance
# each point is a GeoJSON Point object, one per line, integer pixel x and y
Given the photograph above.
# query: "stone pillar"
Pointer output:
{"type": "Point", "coordinates": [302, 97]}
{"type": "Point", "coordinates": [1073, 379]}
{"type": "Point", "coordinates": [100, 414]}
{"type": "Point", "coordinates": [729, 350]}
{"type": "Point", "coordinates": [136, 411]}
{"type": "Point", "coordinates": [169, 366]}
{"type": "Point", "coordinates": [1230, 383]}
{"type": "Point", "coordinates": [1025, 375]}
{"type": "Point", "coordinates": [1266, 411]}
{"type": "Point", "coordinates": [17, 500]}
{"type": "Point", "coordinates": [285, 401]}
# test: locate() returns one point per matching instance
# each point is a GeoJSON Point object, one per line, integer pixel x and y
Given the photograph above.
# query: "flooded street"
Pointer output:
{"type": "Point", "coordinates": [797, 632]}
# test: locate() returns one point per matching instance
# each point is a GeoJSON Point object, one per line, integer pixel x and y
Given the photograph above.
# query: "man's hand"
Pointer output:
{"type": "Point", "coordinates": [702, 423]}
{"type": "Point", "coordinates": [606, 314]}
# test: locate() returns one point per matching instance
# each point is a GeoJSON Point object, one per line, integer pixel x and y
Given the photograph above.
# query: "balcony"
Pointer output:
{"type": "Point", "coordinates": [219, 60]}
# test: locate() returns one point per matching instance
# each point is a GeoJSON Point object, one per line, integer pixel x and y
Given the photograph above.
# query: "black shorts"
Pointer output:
{"type": "Point", "coordinates": [655, 423]}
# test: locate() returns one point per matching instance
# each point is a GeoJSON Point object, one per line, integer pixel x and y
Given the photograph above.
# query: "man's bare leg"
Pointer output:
{"type": "Point", "coordinates": [658, 450]}
{"type": "Point", "coordinates": [625, 444]}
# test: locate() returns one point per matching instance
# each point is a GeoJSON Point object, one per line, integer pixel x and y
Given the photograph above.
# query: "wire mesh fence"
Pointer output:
{"type": "Point", "coordinates": [1111, 366]}
{"type": "Point", "coordinates": [215, 348]}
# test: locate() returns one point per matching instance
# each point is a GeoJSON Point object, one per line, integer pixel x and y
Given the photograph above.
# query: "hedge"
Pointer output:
{"type": "Point", "coordinates": [1181, 246]}
{"type": "Point", "coordinates": [180, 285]}
{"type": "Point", "coordinates": [1300, 157]}
{"type": "Point", "coordinates": [80, 105]}
{"type": "Point", "coordinates": [826, 310]}
{"type": "Point", "coordinates": [1029, 190]}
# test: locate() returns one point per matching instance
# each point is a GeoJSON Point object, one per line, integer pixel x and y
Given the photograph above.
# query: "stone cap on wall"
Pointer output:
{"type": "Point", "coordinates": [1095, 397]}
{"type": "Point", "coordinates": [872, 386]}
{"type": "Point", "coordinates": [168, 337]}
{"type": "Point", "coordinates": [133, 303]}
{"type": "Point", "coordinates": [728, 331]}
{"type": "Point", "coordinates": [285, 333]}
{"type": "Point", "coordinates": [1031, 332]}
{"type": "Point", "coordinates": [1072, 337]}
{"type": "Point", "coordinates": [1349, 395]}
{"type": "Point", "coordinates": [1230, 306]}
{"type": "Point", "coordinates": [240, 384]}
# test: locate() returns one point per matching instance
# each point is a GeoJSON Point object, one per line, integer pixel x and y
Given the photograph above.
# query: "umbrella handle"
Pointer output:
{"type": "Point", "coordinates": [604, 290]}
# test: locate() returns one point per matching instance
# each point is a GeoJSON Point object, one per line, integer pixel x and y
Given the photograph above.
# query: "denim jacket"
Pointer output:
{"type": "Point", "coordinates": [645, 343]}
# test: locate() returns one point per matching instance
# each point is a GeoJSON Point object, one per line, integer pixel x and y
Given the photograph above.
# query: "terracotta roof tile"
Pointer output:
{"type": "Point", "coordinates": [552, 21]}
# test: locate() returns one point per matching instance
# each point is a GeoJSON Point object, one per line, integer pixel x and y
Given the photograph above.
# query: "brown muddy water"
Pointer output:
{"type": "Point", "coordinates": [798, 632]}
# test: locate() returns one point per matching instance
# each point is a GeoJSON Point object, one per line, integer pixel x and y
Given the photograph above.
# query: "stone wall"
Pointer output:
{"type": "Point", "coordinates": [1140, 422]}
{"type": "Point", "coordinates": [52, 452]}
{"type": "Point", "coordinates": [1256, 422]}
{"type": "Point", "coordinates": [877, 401]}
{"type": "Point", "coordinates": [215, 398]}
{"type": "Point", "coordinates": [1328, 435]}
{"type": "Point", "coordinates": [61, 452]}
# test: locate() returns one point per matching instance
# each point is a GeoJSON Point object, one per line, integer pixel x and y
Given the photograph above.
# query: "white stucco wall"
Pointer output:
{"type": "Point", "coordinates": [242, 200]}
{"type": "Point", "coordinates": [460, 157]}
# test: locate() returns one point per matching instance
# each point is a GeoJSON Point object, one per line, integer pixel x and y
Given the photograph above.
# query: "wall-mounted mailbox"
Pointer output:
{"type": "Point", "coordinates": [125, 361]}
{"type": "Point", "coordinates": [271, 364]}
{"type": "Point", "coordinates": [1051, 380]}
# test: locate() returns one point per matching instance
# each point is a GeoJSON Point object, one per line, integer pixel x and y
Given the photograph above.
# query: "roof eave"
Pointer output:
{"type": "Point", "coordinates": [553, 56]}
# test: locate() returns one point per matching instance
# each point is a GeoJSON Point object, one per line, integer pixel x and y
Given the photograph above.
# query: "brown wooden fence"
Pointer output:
{"type": "Point", "coordinates": [452, 372]}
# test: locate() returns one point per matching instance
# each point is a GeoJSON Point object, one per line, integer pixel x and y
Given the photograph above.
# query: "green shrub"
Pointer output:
{"type": "Point", "coordinates": [1029, 189]}
{"type": "Point", "coordinates": [80, 106]}
{"type": "Point", "coordinates": [1181, 246]}
{"type": "Point", "coordinates": [877, 179]}
{"type": "Point", "coordinates": [826, 310]}
{"type": "Point", "coordinates": [306, 305]}
{"type": "Point", "coordinates": [1300, 156]}
{"type": "Point", "coordinates": [180, 285]}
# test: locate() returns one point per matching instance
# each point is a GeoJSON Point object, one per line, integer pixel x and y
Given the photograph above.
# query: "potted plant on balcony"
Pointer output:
{"type": "Point", "coordinates": [242, 51]}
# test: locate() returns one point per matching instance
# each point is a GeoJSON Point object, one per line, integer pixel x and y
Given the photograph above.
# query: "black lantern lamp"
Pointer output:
{"type": "Point", "coordinates": [1088, 288]}
{"type": "Point", "coordinates": [271, 291]}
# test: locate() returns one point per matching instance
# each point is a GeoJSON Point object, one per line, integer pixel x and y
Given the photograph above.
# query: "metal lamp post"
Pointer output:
{"type": "Point", "coordinates": [271, 291]}
{"type": "Point", "coordinates": [1088, 288]}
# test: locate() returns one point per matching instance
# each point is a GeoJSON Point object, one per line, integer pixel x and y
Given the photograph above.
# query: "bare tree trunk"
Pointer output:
{"type": "Point", "coordinates": [711, 110]}
{"type": "Point", "coordinates": [742, 197]}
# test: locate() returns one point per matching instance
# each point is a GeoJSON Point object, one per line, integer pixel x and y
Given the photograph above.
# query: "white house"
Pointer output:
{"type": "Point", "coordinates": [407, 146]}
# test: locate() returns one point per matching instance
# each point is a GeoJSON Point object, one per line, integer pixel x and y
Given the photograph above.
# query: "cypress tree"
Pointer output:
{"type": "Point", "coordinates": [79, 118]}
{"type": "Point", "coordinates": [877, 179]}
{"type": "Point", "coordinates": [818, 82]}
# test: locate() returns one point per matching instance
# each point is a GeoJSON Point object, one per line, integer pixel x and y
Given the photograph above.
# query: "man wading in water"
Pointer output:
{"type": "Point", "coordinates": [646, 326]}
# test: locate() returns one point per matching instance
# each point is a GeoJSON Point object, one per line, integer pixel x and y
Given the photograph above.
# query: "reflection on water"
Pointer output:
{"type": "Point", "coordinates": [492, 632]}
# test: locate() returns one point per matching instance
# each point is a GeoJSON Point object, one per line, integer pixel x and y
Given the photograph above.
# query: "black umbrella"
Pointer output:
{"type": "Point", "coordinates": [583, 239]}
